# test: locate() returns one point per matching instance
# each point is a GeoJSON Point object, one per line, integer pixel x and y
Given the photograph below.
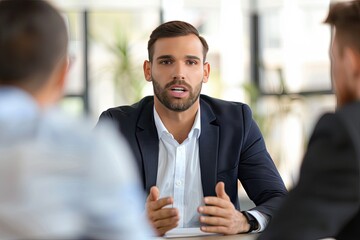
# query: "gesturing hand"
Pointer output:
{"type": "Point", "coordinates": [222, 217]}
{"type": "Point", "coordinates": [162, 219]}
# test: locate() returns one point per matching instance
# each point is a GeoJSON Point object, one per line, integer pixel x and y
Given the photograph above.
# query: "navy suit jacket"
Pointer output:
{"type": "Point", "coordinates": [231, 148]}
{"type": "Point", "coordinates": [326, 201]}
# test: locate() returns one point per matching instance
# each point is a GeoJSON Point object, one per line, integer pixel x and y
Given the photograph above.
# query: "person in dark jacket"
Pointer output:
{"type": "Point", "coordinates": [326, 201]}
{"type": "Point", "coordinates": [191, 149]}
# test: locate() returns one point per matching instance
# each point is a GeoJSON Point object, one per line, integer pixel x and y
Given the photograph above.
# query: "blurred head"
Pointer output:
{"type": "Point", "coordinates": [344, 17]}
{"type": "Point", "coordinates": [174, 29]}
{"type": "Point", "coordinates": [33, 47]}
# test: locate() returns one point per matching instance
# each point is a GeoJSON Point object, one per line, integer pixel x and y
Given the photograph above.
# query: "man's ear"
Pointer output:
{"type": "Point", "coordinates": [351, 64]}
{"type": "Point", "coordinates": [62, 73]}
{"type": "Point", "coordinates": [59, 80]}
{"type": "Point", "coordinates": [52, 90]}
{"type": "Point", "coordinates": [147, 70]}
{"type": "Point", "coordinates": [206, 72]}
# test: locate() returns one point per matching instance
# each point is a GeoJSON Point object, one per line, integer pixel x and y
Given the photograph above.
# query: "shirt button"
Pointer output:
{"type": "Point", "coordinates": [178, 183]}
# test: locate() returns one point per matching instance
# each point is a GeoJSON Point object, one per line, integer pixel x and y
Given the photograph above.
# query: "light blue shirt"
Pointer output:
{"type": "Point", "coordinates": [61, 179]}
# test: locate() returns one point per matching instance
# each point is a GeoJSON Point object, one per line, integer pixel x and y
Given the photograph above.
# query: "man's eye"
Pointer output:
{"type": "Point", "coordinates": [191, 62]}
{"type": "Point", "coordinates": [165, 62]}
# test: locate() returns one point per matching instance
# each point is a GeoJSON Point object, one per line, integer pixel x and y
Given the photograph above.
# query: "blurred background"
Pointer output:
{"type": "Point", "coordinates": [270, 54]}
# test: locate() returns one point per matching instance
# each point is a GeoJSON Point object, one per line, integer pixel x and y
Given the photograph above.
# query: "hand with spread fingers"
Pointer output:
{"type": "Point", "coordinates": [161, 218]}
{"type": "Point", "coordinates": [220, 215]}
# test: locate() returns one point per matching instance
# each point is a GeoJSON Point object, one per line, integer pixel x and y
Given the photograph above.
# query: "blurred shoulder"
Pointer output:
{"type": "Point", "coordinates": [78, 130]}
{"type": "Point", "coordinates": [100, 147]}
{"type": "Point", "coordinates": [347, 116]}
{"type": "Point", "coordinates": [128, 110]}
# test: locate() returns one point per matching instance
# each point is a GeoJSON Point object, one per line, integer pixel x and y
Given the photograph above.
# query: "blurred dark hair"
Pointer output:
{"type": "Point", "coordinates": [174, 29]}
{"type": "Point", "coordinates": [345, 17]}
{"type": "Point", "coordinates": [33, 40]}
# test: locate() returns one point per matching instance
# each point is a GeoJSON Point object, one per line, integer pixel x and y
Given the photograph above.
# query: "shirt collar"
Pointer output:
{"type": "Point", "coordinates": [16, 103]}
{"type": "Point", "coordinates": [161, 129]}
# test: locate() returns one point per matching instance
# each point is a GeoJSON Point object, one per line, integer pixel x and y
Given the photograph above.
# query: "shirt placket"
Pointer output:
{"type": "Point", "coordinates": [179, 182]}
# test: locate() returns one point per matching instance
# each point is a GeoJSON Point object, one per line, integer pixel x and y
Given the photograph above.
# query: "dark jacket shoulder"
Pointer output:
{"type": "Point", "coordinates": [126, 118]}
{"type": "Point", "coordinates": [346, 118]}
{"type": "Point", "coordinates": [226, 110]}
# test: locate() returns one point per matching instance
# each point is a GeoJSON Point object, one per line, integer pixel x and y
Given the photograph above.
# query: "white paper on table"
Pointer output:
{"type": "Point", "coordinates": [186, 232]}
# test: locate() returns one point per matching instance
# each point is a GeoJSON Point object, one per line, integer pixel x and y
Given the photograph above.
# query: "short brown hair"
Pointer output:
{"type": "Point", "coordinates": [345, 17]}
{"type": "Point", "coordinates": [174, 29]}
{"type": "Point", "coordinates": [33, 39]}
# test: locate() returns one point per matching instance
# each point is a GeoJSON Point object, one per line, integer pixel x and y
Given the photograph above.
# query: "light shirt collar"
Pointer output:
{"type": "Point", "coordinates": [161, 129]}
{"type": "Point", "coordinates": [17, 104]}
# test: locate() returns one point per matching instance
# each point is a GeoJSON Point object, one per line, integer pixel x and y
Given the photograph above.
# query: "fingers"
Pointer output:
{"type": "Point", "coordinates": [154, 194]}
{"type": "Point", "coordinates": [219, 214]}
{"type": "Point", "coordinates": [154, 203]}
{"type": "Point", "coordinates": [213, 211]}
{"type": "Point", "coordinates": [162, 219]}
{"type": "Point", "coordinates": [215, 221]}
{"type": "Point", "coordinates": [162, 214]}
{"type": "Point", "coordinates": [233, 223]}
{"type": "Point", "coordinates": [162, 230]}
{"type": "Point", "coordinates": [221, 200]}
{"type": "Point", "coordinates": [159, 204]}
{"type": "Point", "coordinates": [166, 221]}
{"type": "Point", "coordinates": [214, 229]}
{"type": "Point", "coordinates": [167, 218]}
{"type": "Point", "coordinates": [216, 201]}
{"type": "Point", "coordinates": [220, 191]}
{"type": "Point", "coordinates": [219, 205]}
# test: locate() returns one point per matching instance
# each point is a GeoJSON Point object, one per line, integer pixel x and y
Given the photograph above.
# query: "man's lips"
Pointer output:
{"type": "Point", "coordinates": [178, 91]}
{"type": "Point", "coordinates": [178, 88]}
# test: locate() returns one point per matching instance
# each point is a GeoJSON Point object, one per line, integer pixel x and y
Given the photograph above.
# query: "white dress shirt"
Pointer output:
{"type": "Point", "coordinates": [179, 171]}
{"type": "Point", "coordinates": [179, 174]}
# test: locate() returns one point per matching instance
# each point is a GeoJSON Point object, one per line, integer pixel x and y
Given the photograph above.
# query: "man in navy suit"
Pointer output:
{"type": "Point", "coordinates": [191, 149]}
{"type": "Point", "coordinates": [326, 201]}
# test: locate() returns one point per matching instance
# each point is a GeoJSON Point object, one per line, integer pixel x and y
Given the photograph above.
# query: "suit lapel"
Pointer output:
{"type": "Point", "coordinates": [208, 147]}
{"type": "Point", "coordinates": [149, 144]}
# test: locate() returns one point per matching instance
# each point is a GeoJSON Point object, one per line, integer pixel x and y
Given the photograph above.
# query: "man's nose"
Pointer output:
{"type": "Point", "coordinates": [179, 73]}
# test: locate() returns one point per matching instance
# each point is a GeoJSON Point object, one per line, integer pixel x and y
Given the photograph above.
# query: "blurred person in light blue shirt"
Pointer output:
{"type": "Point", "coordinates": [59, 179]}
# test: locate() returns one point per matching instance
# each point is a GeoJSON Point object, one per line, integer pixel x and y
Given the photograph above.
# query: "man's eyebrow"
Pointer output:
{"type": "Point", "coordinates": [193, 57]}
{"type": "Point", "coordinates": [170, 56]}
{"type": "Point", "coordinates": [164, 57]}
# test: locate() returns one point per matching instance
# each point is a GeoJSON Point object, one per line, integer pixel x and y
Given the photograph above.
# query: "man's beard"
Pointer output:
{"type": "Point", "coordinates": [177, 105]}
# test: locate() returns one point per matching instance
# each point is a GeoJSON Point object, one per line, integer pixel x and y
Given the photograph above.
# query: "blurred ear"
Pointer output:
{"type": "Point", "coordinates": [58, 81]}
{"type": "Point", "coordinates": [351, 60]}
{"type": "Point", "coordinates": [52, 91]}
{"type": "Point", "coordinates": [147, 70]}
{"type": "Point", "coordinates": [62, 73]}
{"type": "Point", "coordinates": [351, 64]}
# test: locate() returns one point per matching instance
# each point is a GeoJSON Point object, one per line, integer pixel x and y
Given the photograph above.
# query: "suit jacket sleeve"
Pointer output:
{"type": "Point", "coordinates": [257, 171]}
{"type": "Point", "coordinates": [327, 194]}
